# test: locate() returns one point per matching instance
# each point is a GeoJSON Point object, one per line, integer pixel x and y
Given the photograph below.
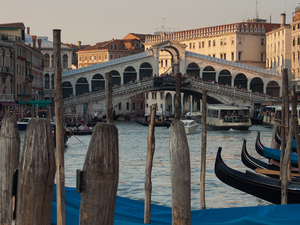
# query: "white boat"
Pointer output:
{"type": "Point", "coordinates": [190, 126]}
{"type": "Point", "coordinates": [225, 117]}
{"type": "Point", "coordinates": [22, 124]}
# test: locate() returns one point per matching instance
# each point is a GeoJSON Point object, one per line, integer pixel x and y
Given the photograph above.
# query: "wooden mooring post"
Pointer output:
{"type": "Point", "coordinates": [9, 160]}
{"type": "Point", "coordinates": [98, 181]}
{"type": "Point", "coordinates": [203, 150]}
{"type": "Point", "coordinates": [36, 175]}
{"type": "Point", "coordinates": [180, 166]}
{"type": "Point", "coordinates": [59, 130]}
{"type": "Point", "coordinates": [150, 154]}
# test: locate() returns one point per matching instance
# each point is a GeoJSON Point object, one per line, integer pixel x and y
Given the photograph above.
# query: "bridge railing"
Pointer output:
{"type": "Point", "coordinates": [116, 91]}
{"type": "Point", "coordinates": [231, 90]}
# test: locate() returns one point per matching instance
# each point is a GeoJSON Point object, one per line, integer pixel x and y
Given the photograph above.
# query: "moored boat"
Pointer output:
{"type": "Point", "coordinates": [190, 126]}
{"type": "Point", "coordinates": [260, 186]}
{"type": "Point", "coordinates": [272, 153]}
{"type": "Point", "coordinates": [22, 124]}
{"type": "Point", "coordinates": [278, 140]}
{"type": "Point", "coordinates": [146, 123]}
{"type": "Point", "coordinates": [225, 117]}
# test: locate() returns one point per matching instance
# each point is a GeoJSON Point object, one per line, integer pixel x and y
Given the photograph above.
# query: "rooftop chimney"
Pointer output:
{"type": "Point", "coordinates": [283, 18]}
{"type": "Point", "coordinates": [79, 45]}
{"type": "Point", "coordinates": [34, 41]}
{"type": "Point", "coordinates": [28, 30]}
{"type": "Point", "coordinates": [40, 44]}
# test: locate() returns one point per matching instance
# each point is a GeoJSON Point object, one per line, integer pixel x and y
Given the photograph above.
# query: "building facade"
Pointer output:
{"type": "Point", "coordinates": [295, 45]}
{"type": "Point", "coordinates": [278, 47]}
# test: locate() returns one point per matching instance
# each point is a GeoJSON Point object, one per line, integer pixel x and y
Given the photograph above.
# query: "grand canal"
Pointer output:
{"type": "Point", "coordinates": [133, 154]}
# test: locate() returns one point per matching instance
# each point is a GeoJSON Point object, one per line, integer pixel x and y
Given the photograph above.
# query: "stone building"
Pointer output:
{"type": "Point", "coordinates": [295, 45]}
{"type": "Point", "coordinates": [21, 66]}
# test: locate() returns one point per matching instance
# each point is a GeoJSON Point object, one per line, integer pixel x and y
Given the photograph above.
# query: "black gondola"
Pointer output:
{"type": "Point", "coordinates": [271, 153]}
{"type": "Point", "coordinates": [254, 163]}
{"type": "Point", "coordinates": [262, 187]}
{"type": "Point", "coordinates": [278, 140]}
{"type": "Point", "coordinates": [79, 132]}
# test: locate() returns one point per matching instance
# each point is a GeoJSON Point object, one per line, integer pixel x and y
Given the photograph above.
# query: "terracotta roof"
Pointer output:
{"type": "Point", "coordinates": [103, 45]}
{"type": "Point", "coordinates": [14, 25]}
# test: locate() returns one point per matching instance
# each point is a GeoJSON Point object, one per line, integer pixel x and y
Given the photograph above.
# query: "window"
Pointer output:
{"type": "Point", "coordinates": [105, 57]}
{"type": "Point", "coordinates": [161, 95]}
{"type": "Point", "coordinates": [224, 56]}
{"type": "Point", "coordinates": [47, 61]}
{"type": "Point", "coordinates": [193, 45]}
{"type": "Point", "coordinates": [116, 46]}
{"type": "Point", "coordinates": [95, 57]}
{"type": "Point", "coordinates": [85, 58]}
{"type": "Point", "coordinates": [240, 56]}
{"type": "Point", "coordinates": [111, 46]}
{"type": "Point", "coordinates": [262, 57]}
{"type": "Point", "coordinates": [214, 43]}
{"type": "Point", "coordinates": [166, 62]}
{"type": "Point", "coordinates": [202, 44]}
{"type": "Point", "coordinates": [119, 56]}
{"type": "Point", "coordinates": [262, 41]}
{"type": "Point", "coordinates": [65, 61]}
{"type": "Point", "coordinates": [120, 106]}
{"type": "Point", "coordinates": [190, 45]}
{"type": "Point", "coordinates": [90, 58]}
{"type": "Point", "coordinates": [80, 59]}
{"type": "Point", "coordinates": [232, 56]}
{"type": "Point", "coordinates": [199, 44]}
{"type": "Point", "coordinates": [99, 57]}
{"type": "Point", "coordinates": [142, 105]}
{"type": "Point", "coordinates": [153, 95]}
{"type": "Point", "coordinates": [111, 57]}
{"type": "Point", "coordinates": [127, 105]}
{"type": "Point", "coordinates": [208, 43]}
{"type": "Point", "coordinates": [133, 106]}
{"type": "Point", "coordinates": [147, 95]}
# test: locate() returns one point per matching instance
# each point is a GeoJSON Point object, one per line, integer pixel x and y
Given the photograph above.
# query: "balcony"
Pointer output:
{"type": "Point", "coordinates": [29, 78]}
{"type": "Point", "coordinates": [6, 69]}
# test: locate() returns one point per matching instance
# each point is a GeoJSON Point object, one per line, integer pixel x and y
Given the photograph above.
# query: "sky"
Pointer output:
{"type": "Point", "coordinates": [92, 21]}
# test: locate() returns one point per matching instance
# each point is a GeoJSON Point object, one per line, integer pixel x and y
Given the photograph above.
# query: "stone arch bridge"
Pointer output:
{"type": "Point", "coordinates": [226, 81]}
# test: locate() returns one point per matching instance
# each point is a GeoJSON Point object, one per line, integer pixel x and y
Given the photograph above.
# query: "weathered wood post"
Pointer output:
{"type": "Point", "coordinates": [203, 150]}
{"type": "Point", "coordinates": [36, 175]}
{"type": "Point", "coordinates": [180, 166]}
{"type": "Point", "coordinates": [59, 117]}
{"type": "Point", "coordinates": [9, 160]}
{"type": "Point", "coordinates": [100, 174]}
{"type": "Point", "coordinates": [108, 92]}
{"type": "Point", "coordinates": [150, 154]}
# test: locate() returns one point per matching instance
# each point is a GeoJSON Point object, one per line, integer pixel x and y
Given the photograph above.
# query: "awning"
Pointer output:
{"type": "Point", "coordinates": [40, 103]}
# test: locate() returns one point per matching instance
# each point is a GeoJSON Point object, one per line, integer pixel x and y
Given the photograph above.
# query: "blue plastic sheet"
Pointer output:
{"type": "Point", "coordinates": [131, 212]}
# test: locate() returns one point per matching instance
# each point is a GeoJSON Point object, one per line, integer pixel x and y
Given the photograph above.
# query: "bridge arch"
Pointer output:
{"type": "Point", "coordinates": [82, 86]}
{"type": "Point", "coordinates": [257, 85]}
{"type": "Point", "coordinates": [273, 89]}
{"type": "Point", "coordinates": [225, 78]}
{"type": "Point", "coordinates": [129, 75]}
{"type": "Point", "coordinates": [240, 81]}
{"type": "Point", "coordinates": [98, 82]}
{"type": "Point", "coordinates": [67, 89]}
{"type": "Point", "coordinates": [116, 78]}
{"type": "Point", "coordinates": [193, 70]}
{"type": "Point", "coordinates": [145, 71]}
{"type": "Point", "coordinates": [209, 74]}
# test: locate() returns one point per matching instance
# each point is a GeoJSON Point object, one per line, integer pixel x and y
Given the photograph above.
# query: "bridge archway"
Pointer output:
{"type": "Point", "coordinates": [193, 70]}
{"type": "Point", "coordinates": [82, 86]}
{"type": "Point", "coordinates": [241, 81]}
{"type": "Point", "coordinates": [257, 85]}
{"type": "Point", "coordinates": [129, 75]}
{"type": "Point", "coordinates": [209, 74]}
{"type": "Point", "coordinates": [116, 78]}
{"type": "Point", "coordinates": [168, 102]}
{"type": "Point", "coordinates": [225, 78]}
{"type": "Point", "coordinates": [273, 89]}
{"type": "Point", "coordinates": [67, 89]}
{"type": "Point", "coordinates": [145, 71]}
{"type": "Point", "coordinates": [98, 82]}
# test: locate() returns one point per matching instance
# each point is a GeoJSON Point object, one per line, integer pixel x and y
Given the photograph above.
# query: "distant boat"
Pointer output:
{"type": "Point", "coordinates": [190, 126]}
{"type": "Point", "coordinates": [22, 124]}
{"type": "Point", "coordinates": [146, 123]}
{"type": "Point", "coordinates": [225, 117]}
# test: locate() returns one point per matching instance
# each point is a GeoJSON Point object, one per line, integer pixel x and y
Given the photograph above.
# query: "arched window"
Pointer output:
{"type": "Point", "coordinates": [47, 82]}
{"type": "Point", "coordinates": [52, 81]}
{"type": "Point", "coordinates": [65, 61]}
{"type": "Point", "coordinates": [47, 61]}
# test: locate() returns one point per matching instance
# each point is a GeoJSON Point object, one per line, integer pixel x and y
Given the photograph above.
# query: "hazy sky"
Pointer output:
{"type": "Point", "coordinates": [92, 21]}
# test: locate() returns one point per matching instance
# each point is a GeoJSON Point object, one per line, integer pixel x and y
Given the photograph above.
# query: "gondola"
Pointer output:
{"type": "Point", "coordinates": [260, 186]}
{"type": "Point", "coordinates": [278, 140]}
{"type": "Point", "coordinates": [79, 132]}
{"type": "Point", "coordinates": [146, 123]}
{"type": "Point", "coordinates": [272, 153]}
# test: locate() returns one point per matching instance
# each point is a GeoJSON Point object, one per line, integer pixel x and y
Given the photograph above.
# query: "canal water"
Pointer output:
{"type": "Point", "coordinates": [133, 155]}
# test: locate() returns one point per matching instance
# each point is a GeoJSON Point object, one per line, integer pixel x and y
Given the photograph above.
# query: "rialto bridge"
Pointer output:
{"type": "Point", "coordinates": [226, 81]}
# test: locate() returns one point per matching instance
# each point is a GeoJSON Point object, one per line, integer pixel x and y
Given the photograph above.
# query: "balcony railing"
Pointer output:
{"type": "Point", "coordinates": [5, 69]}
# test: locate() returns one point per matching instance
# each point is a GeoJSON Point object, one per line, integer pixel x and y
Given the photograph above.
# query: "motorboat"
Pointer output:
{"type": "Point", "coordinates": [225, 117]}
{"type": "Point", "coordinates": [190, 126]}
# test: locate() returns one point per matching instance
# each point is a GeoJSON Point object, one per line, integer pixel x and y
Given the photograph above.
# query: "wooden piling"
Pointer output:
{"type": "Point", "coordinates": [180, 174]}
{"type": "Point", "coordinates": [100, 177]}
{"type": "Point", "coordinates": [108, 92]}
{"type": "Point", "coordinates": [178, 97]}
{"type": "Point", "coordinates": [150, 154]}
{"type": "Point", "coordinates": [9, 160]}
{"type": "Point", "coordinates": [180, 165]}
{"type": "Point", "coordinates": [59, 130]}
{"type": "Point", "coordinates": [36, 175]}
{"type": "Point", "coordinates": [203, 150]}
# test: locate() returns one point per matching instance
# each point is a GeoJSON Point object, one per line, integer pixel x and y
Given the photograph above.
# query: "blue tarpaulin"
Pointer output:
{"type": "Point", "coordinates": [131, 212]}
